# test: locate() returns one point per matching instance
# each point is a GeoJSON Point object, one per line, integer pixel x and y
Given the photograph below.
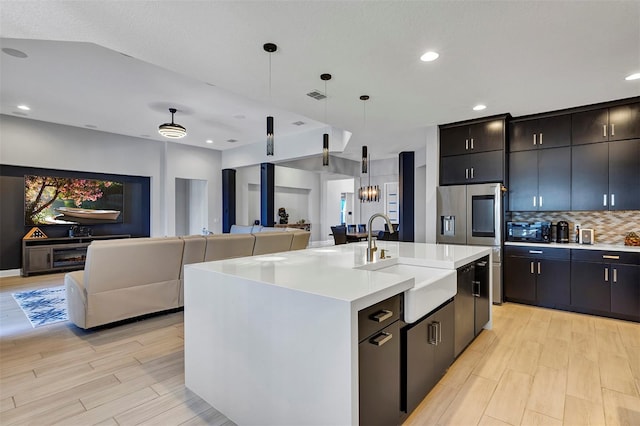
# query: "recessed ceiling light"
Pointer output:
{"type": "Point", "coordinates": [429, 56]}
{"type": "Point", "coordinates": [209, 141]}
{"type": "Point", "coordinates": [635, 76]}
{"type": "Point", "coordinates": [24, 107]}
{"type": "Point", "coordinates": [479, 107]}
{"type": "Point", "coordinates": [14, 52]}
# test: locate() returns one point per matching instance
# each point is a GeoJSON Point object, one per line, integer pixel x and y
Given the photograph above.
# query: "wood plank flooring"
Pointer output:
{"type": "Point", "coordinates": [536, 367]}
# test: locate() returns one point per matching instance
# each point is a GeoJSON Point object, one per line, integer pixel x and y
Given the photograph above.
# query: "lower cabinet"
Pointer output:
{"type": "Point", "coordinates": [472, 303]}
{"type": "Point", "coordinates": [607, 283]}
{"type": "Point", "coordinates": [428, 346]}
{"type": "Point", "coordinates": [379, 362]}
{"type": "Point", "coordinates": [539, 276]}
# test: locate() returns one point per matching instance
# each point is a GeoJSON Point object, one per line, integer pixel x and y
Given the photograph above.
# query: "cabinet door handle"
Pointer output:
{"type": "Point", "coordinates": [540, 203]}
{"type": "Point", "coordinates": [532, 267]}
{"type": "Point", "coordinates": [604, 130]}
{"type": "Point", "coordinates": [466, 173]}
{"type": "Point", "coordinates": [535, 199]}
{"type": "Point", "coordinates": [381, 316]}
{"type": "Point", "coordinates": [534, 139]}
{"type": "Point", "coordinates": [606, 274]}
{"type": "Point", "coordinates": [604, 200]}
{"type": "Point", "coordinates": [538, 268]}
{"type": "Point", "coordinates": [610, 256]}
{"type": "Point", "coordinates": [613, 200]}
{"type": "Point", "coordinates": [439, 328]}
{"type": "Point", "coordinates": [475, 285]}
{"type": "Point", "coordinates": [535, 251]}
{"type": "Point", "coordinates": [615, 275]}
{"type": "Point", "coordinates": [381, 338]}
{"type": "Point", "coordinates": [472, 167]}
{"type": "Point", "coordinates": [540, 138]}
{"type": "Point", "coordinates": [471, 143]}
{"type": "Point", "coordinates": [613, 129]}
{"type": "Point", "coordinates": [466, 144]}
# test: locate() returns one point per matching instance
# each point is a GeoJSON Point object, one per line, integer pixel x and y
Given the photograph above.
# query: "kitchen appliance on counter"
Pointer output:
{"type": "Point", "coordinates": [562, 232]}
{"type": "Point", "coordinates": [472, 215]}
{"type": "Point", "coordinates": [530, 232]}
{"type": "Point", "coordinates": [586, 236]}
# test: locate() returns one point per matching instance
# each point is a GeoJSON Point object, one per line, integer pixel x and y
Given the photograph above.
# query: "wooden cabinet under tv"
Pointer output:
{"type": "Point", "coordinates": [42, 255]}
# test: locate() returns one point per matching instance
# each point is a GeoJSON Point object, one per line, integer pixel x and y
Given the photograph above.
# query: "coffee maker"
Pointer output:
{"type": "Point", "coordinates": [562, 232]}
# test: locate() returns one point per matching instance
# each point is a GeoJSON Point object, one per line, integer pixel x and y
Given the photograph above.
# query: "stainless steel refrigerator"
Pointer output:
{"type": "Point", "coordinates": [472, 215]}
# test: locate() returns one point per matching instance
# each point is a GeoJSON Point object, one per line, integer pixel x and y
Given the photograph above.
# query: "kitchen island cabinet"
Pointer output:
{"type": "Point", "coordinates": [274, 339]}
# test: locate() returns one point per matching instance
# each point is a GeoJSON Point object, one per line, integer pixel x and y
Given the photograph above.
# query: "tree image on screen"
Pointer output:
{"type": "Point", "coordinates": [55, 200]}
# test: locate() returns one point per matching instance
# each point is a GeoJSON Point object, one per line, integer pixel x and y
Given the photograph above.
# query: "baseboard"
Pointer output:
{"type": "Point", "coordinates": [10, 273]}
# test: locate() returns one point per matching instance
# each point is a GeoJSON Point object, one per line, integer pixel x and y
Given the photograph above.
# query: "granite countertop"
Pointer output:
{"type": "Point", "coordinates": [596, 246]}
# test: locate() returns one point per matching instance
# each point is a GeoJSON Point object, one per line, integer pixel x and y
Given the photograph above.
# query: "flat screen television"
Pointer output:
{"type": "Point", "coordinates": [50, 200]}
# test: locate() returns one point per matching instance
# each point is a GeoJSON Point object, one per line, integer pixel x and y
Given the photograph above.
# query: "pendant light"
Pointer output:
{"type": "Point", "coordinates": [172, 130]}
{"type": "Point", "coordinates": [325, 137]}
{"type": "Point", "coordinates": [270, 48]}
{"type": "Point", "coordinates": [367, 193]}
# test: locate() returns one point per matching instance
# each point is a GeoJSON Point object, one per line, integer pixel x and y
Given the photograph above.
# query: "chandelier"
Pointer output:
{"type": "Point", "coordinates": [368, 193]}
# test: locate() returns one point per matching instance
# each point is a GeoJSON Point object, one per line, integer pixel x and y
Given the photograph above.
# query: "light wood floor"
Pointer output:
{"type": "Point", "coordinates": [536, 367]}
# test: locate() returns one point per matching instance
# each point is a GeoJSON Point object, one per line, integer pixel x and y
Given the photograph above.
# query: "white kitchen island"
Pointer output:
{"type": "Point", "coordinates": [273, 339]}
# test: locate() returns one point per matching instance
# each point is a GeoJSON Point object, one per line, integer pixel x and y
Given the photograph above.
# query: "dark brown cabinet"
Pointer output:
{"type": "Point", "coordinates": [379, 362]}
{"type": "Point", "coordinates": [472, 303]}
{"type": "Point", "coordinates": [472, 138]}
{"type": "Point", "coordinates": [537, 275]}
{"type": "Point", "coordinates": [540, 180]}
{"type": "Point", "coordinates": [606, 124]}
{"type": "Point", "coordinates": [540, 133]}
{"type": "Point", "coordinates": [429, 353]}
{"type": "Point", "coordinates": [606, 283]}
{"type": "Point", "coordinates": [606, 176]}
{"type": "Point", "coordinates": [472, 168]}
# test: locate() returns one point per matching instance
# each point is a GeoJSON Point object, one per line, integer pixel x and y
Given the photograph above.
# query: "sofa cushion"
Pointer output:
{"type": "Point", "coordinates": [227, 246]}
{"type": "Point", "coordinates": [272, 242]}
{"type": "Point", "coordinates": [241, 229]}
{"type": "Point", "coordinates": [300, 239]}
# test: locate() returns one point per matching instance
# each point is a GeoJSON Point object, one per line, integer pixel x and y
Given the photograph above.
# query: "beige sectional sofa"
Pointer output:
{"type": "Point", "coordinates": [132, 277]}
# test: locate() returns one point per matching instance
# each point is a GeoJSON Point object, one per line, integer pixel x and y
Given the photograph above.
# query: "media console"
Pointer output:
{"type": "Point", "coordinates": [57, 254]}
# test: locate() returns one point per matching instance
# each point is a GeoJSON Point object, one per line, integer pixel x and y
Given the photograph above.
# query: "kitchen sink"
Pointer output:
{"type": "Point", "coordinates": [432, 288]}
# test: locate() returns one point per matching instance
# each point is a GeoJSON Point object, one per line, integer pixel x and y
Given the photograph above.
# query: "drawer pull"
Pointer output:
{"type": "Point", "coordinates": [610, 256]}
{"type": "Point", "coordinates": [381, 339]}
{"type": "Point", "coordinates": [535, 251]}
{"type": "Point", "coordinates": [381, 316]}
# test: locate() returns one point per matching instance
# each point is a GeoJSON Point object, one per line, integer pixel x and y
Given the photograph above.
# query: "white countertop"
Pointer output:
{"type": "Point", "coordinates": [341, 272]}
{"type": "Point", "coordinates": [607, 247]}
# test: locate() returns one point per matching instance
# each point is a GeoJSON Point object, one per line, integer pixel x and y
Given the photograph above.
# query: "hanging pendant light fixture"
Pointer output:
{"type": "Point", "coordinates": [325, 137]}
{"type": "Point", "coordinates": [270, 48]}
{"type": "Point", "coordinates": [370, 192]}
{"type": "Point", "coordinates": [172, 130]}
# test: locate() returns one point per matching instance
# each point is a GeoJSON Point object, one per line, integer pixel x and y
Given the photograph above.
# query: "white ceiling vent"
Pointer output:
{"type": "Point", "coordinates": [298, 123]}
{"type": "Point", "coordinates": [317, 95]}
{"type": "Point", "coordinates": [232, 140]}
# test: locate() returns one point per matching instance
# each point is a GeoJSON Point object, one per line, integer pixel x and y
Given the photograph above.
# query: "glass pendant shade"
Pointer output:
{"type": "Point", "coordinates": [172, 130]}
{"type": "Point", "coordinates": [269, 135]}
{"type": "Point", "coordinates": [325, 149]}
{"type": "Point", "coordinates": [364, 159]}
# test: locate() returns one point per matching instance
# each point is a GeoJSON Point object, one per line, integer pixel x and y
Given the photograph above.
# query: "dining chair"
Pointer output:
{"type": "Point", "coordinates": [351, 229]}
{"type": "Point", "coordinates": [339, 234]}
{"type": "Point", "coordinates": [362, 227]}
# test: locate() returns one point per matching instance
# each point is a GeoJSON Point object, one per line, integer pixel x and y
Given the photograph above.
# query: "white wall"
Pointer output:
{"type": "Point", "coordinates": [33, 143]}
{"type": "Point", "coordinates": [292, 186]}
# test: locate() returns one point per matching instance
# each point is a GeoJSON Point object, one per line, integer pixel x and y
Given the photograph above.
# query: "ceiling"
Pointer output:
{"type": "Point", "coordinates": [119, 66]}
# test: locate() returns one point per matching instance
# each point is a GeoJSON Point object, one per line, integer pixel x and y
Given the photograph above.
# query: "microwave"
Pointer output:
{"type": "Point", "coordinates": [531, 232]}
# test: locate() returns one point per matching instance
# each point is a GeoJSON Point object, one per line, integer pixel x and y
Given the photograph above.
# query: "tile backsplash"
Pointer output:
{"type": "Point", "coordinates": [610, 227]}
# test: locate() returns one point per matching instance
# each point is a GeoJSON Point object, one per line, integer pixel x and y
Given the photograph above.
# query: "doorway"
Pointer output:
{"type": "Point", "coordinates": [191, 206]}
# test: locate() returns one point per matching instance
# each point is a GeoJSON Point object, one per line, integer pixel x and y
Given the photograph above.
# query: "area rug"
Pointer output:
{"type": "Point", "coordinates": [43, 306]}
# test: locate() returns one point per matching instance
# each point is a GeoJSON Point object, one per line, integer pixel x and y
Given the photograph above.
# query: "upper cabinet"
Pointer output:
{"type": "Point", "coordinates": [606, 124]}
{"type": "Point", "coordinates": [472, 138]}
{"type": "Point", "coordinates": [473, 151]}
{"type": "Point", "coordinates": [540, 133]}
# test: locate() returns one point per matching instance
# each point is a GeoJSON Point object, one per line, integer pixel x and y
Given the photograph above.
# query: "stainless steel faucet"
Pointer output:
{"type": "Point", "coordinates": [371, 250]}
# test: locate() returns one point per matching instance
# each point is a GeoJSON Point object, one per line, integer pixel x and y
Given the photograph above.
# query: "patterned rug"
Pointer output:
{"type": "Point", "coordinates": [43, 306]}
